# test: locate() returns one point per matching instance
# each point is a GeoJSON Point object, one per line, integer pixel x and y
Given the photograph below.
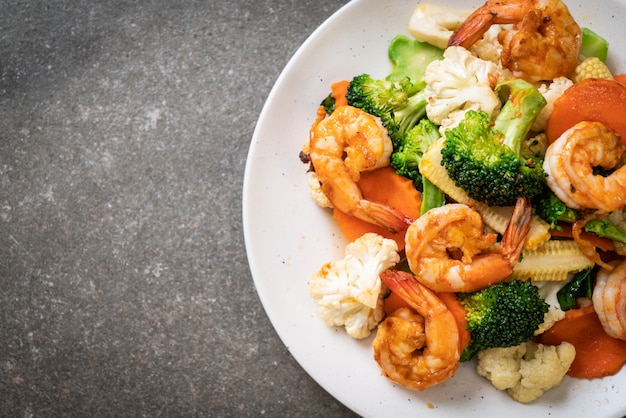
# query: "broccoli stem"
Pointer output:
{"type": "Point", "coordinates": [410, 58]}
{"type": "Point", "coordinates": [593, 45]}
{"type": "Point", "coordinates": [432, 196]}
{"type": "Point", "coordinates": [522, 103]}
{"type": "Point", "coordinates": [410, 114]}
{"type": "Point", "coordinates": [407, 157]}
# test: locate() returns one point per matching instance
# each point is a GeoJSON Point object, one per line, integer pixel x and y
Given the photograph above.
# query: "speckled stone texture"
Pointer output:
{"type": "Point", "coordinates": [125, 289]}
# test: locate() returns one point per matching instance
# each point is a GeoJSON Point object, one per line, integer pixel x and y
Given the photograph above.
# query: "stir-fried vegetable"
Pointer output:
{"type": "Point", "coordinates": [554, 211]}
{"type": "Point", "coordinates": [410, 58]}
{"type": "Point", "coordinates": [484, 157]}
{"type": "Point", "coordinates": [382, 185]}
{"type": "Point", "coordinates": [579, 287]}
{"type": "Point", "coordinates": [406, 159]}
{"type": "Point", "coordinates": [399, 100]}
{"type": "Point", "coordinates": [594, 99]}
{"type": "Point", "coordinates": [466, 130]}
{"type": "Point", "coordinates": [503, 315]}
{"type": "Point", "coordinates": [593, 45]}
{"type": "Point", "coordinates": [597, 354]}
{"type": "Point", "coordinates": [399, 104]}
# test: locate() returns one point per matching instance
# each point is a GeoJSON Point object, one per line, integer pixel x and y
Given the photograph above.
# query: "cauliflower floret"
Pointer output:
{"type": "Point", "coordinates": [548, 291]}
{"type": "Point", "coordinates": [550, 92]}
{"type": "Point", "coordinates": [454, 118]}
{"type": "Point", "coordinates": [435, 24]}
{"type": "Point", "coordinates": [528, 370]}
{"type": "Point", "coordinates": [348, 291]}
{"type": "Point", "coordinates": [457, 83]}
{"type": "Point", "coordinates": [488, 48]}
{"type": "Point", "coordinates": [542, 368]}
{"type": "Point", "coordinates": [318, 196]}
{"type": "Point", "coordinates": [501, 365]}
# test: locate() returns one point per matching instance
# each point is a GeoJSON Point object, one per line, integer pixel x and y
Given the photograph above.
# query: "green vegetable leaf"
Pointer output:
{"type": "Point", "coordinates": [328, 104]}
{"type": "Point", "coordinates": [581, 286]}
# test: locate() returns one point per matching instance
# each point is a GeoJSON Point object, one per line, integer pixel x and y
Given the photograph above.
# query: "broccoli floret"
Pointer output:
{"type": "Point", "coordinates": [398, 103]}
{"type": "Point", "coordinates": [605, 228]}
{"type": "Point", "coordinates": [485, 158]}
{"type": "Point", "coordinates": [405, 160]}
{"type": "Point", "coordinates": [410, 58]}
{"type": "Point", "coordinates": [553, 210]}
{"type": "Point", "coordinates": [503, 315]}
{"type": "Point", "coordinates": [398, 100]}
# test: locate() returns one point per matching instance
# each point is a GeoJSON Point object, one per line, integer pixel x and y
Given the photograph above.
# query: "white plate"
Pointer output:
{"type": "Point", "coordinates": [288, 237]}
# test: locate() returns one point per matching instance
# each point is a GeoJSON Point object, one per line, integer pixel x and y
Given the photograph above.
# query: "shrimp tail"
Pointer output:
{"type": "Point", "coordinates": [472, 29]}
{"type": "Point", "coordinates": [516, 232]}
{"type": "Point", "coordinates": [491, 13]}
{"type": "Point", "coordinates": [382, 215]}
{"type": "Point", "coordinates": [406, 286]}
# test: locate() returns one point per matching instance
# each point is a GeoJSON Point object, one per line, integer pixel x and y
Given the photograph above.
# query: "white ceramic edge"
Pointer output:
{"type": "Point", "coordinates": [294, 250]}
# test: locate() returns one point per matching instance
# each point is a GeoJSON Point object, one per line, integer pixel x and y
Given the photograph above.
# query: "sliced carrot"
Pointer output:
{"type": "Point", "coordinates": [593, 99]}
{"type": "Point", "coordinates": [577, 313]}
{"type": "Point", "coordinates": [597, 353]}
{"type": "Point", "coordinates": [382, 186]}
{"type": "Point", "coordinates": [393, 302]}
{"type": "Point", "coordinates": [605, 244]}
{"type": "Point", "coordinates": [454, 305]}
{"type": "Point", "coordinates": [338, 90]}
{"type": "Point", "coordinates": [621, 78]}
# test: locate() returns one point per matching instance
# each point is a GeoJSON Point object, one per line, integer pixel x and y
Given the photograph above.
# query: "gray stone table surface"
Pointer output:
{"type": "Point", "coordinates": [124, 129]}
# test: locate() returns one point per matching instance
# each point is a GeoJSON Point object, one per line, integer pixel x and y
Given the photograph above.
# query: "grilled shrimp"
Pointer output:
{"type": "Point", "coordinates": [342, 146]}
{"type": "Point", "coordinates": [416, 350]}
{"type": "Point", "coordinates": [543, 44]}
{"type": "Point", "coordinates": [570, 163]}
{"type": "Point", "coordinates": [445, 248]}
{"type": "Point", "coordinates": [609, 299]}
